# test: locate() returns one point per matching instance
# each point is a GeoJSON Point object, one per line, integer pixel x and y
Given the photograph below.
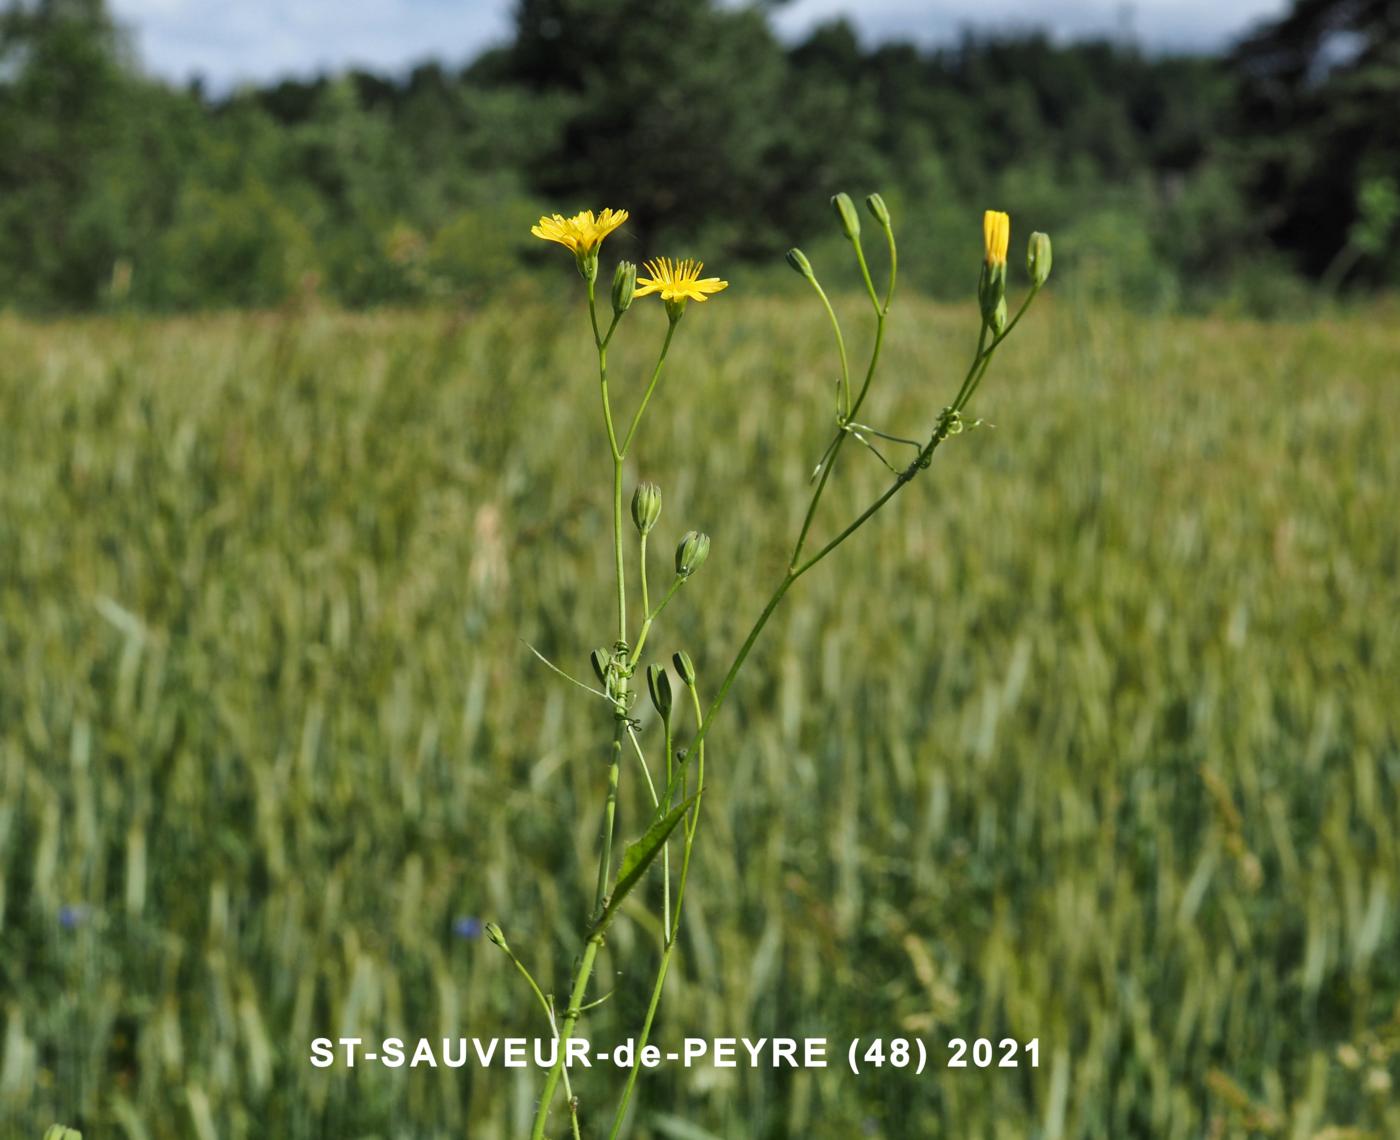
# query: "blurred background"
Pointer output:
{"type": "Point", "coordinates": [1091, 740]}
{"type": "Point", "coordinates": [173, 154]}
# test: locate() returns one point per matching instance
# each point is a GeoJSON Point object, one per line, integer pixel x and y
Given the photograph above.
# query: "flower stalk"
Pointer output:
{"type": "Point", "coordinates": [676, 804]}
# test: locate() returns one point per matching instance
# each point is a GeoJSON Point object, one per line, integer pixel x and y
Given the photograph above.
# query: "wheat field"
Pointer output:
{"type": "Point", "coordinates": [1093, 741]}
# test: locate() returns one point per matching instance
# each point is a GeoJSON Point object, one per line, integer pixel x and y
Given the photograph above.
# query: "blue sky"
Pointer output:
{"type": "Point", "coordinates": [231, 40]}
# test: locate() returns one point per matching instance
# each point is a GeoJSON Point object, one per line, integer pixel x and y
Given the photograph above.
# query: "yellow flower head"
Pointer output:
{"type": "Point", "coordinates": [677, 280]}
{"type": "Point", "coordinates": [996, 229]}
{"type": "Point", "coordinates": [583, 233]}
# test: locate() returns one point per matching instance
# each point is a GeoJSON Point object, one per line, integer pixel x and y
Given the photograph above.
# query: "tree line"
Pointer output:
{"type": "Point", "coordinates": [1250, 176]}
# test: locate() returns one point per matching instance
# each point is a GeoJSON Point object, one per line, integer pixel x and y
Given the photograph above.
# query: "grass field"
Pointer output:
{"type": "Point", "coordinates": [1093, 741]}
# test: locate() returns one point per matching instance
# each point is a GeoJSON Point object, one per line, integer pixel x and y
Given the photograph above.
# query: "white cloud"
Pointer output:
{"type": "Point", "coordinates": [261, 39]}
{"type": "Point", "coordinates": [1159, 23]}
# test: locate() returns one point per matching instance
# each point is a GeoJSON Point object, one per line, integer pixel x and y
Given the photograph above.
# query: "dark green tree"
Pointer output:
{"type": "Point", "coordinates": [1319, 134]}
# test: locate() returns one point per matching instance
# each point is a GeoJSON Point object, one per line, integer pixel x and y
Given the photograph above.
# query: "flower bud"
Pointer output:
{"type": "Point", "coordinates": [798, 260]}
{"type": "Point", "coordinates": [846, 213]}
{"type": "Point", "coordinates": [646, 506]}
{"type": "Point", "coordinates": [624, 285]}
{"type": "Point", "coordinates": [685, 667]}
{"type": "Point", "coordinates": [599, 659]}
{"type": "Point", "coordinates": [997, 321]}
{"type": "Point", "coordinates": [1038, 258]}
{"type": "Point", "coordinates": [878, 210]}
{"type": "Point", "coordinates": [496, 935]}
{"type": "Point", "coordinates": [991, 292]}
{"type": "Point", "coordinates": [996, 234]}
{"type": "Point", "coordinates": [694, 548]}
{"type": "Point", "coordinates": [659, 686]}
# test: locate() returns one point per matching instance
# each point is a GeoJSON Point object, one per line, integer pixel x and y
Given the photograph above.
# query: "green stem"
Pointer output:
{"type": "Point", "coordinates": [983, 359]}
{"type": "Point", "coordinates": [845, 409]}
{"type": "Point", "coordinates": [636, 656]}
{"type": "Point", "coordinates": [566, 1031]}
{"type": "Point", "coordinates": [549, 1015]}
{"type": "Point", "coordinates": [835, 449]}
{"type": "Point", "coordinates": [617, 557]}
{"type": "Point", "coordinates": [590, 953]}
{"type": "Point", "coordinates": [881, 314]}
{"type": "Point", "coordinates": [894, 265]}
{"type": "Point", "coordinates": [651, 387]}
{"type": "Point", "coordinates": [666, 850]}
{"type": "Point", "coordinates": [672, 927]}
{"type": "Point", "coordinates": [865, 272]}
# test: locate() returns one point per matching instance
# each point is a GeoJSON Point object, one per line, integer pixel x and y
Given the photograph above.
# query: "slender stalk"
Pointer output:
{"type": "Point", "coordinates": [894, 265]}
{"type": "Point", "coordinates": [845, 407]}
{"type": "Point", "coordinates": [881, 314]}
{"type": "Point", "coordinates": [590, 953]}
{"type": "Point", "coordinates": [865, 273]}
{"type": "Point", "coordinates": [566, 1031]}
{"type": "Point", "coordinates": [673, 925]}
{"type": "Point", "coordinates": [549, 1015]}
{"type": "Point", "coordinates": [651, 386]}
{"type": "Point", "coordinates": [651, 617]}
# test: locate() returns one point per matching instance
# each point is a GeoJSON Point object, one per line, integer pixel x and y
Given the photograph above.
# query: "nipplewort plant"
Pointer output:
{"type": "Point", "coordinates": [674, 773]}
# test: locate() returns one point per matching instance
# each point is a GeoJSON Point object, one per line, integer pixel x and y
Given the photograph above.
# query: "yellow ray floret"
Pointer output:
{"type": "Point", "coordinates": [677, 280]}
{"type": "Point", "coordinates": [996, 229]}
{"type": "Point", "coordinates": [583, 233]}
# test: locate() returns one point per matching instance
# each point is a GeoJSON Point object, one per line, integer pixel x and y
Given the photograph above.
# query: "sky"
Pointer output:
{"type": "Point", "coordinates": [230, 41]}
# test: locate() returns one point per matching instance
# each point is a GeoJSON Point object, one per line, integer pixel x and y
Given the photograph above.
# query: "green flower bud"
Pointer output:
{"type": "Point", "coordinates": [798, 260]}
{"type": "Point", "coordinates": [659, 686]}
{"type": "Point", "coordinates": [646, 506]}
{"type": "Point", "coordinates": [997, 320]}
{"type": "Point", "coordinates": [599, 659]}
{"type": "Point", "coordinates": [846, 214]}
{"type": "Point", "coordinates": [685, 667]}
{"type": "Point", "coordinates": [694, 548]}
{"type": "Point", "coordinates": [991, 291]}
{"type": "Point", "coordinates": [624, 285]}
{"type": "Point", "coordinates": [878, 210]}
{"type": "Point", "coordinates": [497, 936]}
{"type": "Point", "coordinates": [1038, 258]}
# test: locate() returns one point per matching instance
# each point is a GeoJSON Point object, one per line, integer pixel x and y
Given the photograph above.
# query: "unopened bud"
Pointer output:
{"type": "Point", "coordinates": [991, 292]}
{"type": "Point", "coordinates": [798, 260]}
{"type": "Point", "coordinates": [646, 506]}
{"type": "Point", "coordinates": [624, 285]}
{"type": "Point", "coordinates": [878, 210]}
{"type": "Point", "coordinates": [659, 686]}
{"type": "Point", "coordinates": [846, 213]}
{"type": "Point", "coordinates": [997, 321]}
{"type": "Point", "coordinates": [496, 936]}
{"type": "Point", "coordinates": [694, 548]}
{"type": "Point", "coordinates": [1038, 258]}
{"type": "Point", "coordinates": [685, 667]}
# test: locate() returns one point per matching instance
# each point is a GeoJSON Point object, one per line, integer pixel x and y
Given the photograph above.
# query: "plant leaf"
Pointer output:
{"type": "Point", "coordinates": [638, 857]}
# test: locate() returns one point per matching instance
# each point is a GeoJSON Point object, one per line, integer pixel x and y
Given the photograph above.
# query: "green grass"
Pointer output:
{"type": "Point", "coordinates": [1093, 740]}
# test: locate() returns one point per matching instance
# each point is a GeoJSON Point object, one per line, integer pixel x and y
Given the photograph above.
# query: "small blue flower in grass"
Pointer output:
{"type": "Point", "coordinates": [73, 915]}
{"type": "Point", "coordinates": [469, 928]}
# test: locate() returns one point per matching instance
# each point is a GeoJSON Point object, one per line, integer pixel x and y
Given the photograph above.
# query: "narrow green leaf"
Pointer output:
{"type": "Point", "coordinates": [638, 857]}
